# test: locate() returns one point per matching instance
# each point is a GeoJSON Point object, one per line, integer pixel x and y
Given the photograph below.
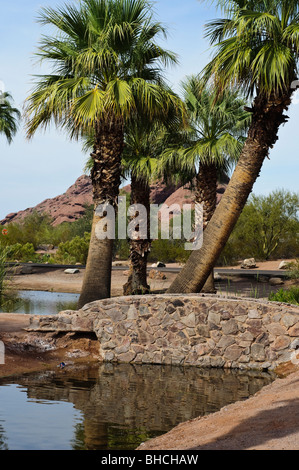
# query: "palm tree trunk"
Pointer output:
{"type": "Point", "coordinates": [268, 115]}
{"type": "Point", "coordinates": [206, 194]}
{"type": "Point", "coordinates": [139, 249]}
{"type": "Point", "coordinates": [106, 178]}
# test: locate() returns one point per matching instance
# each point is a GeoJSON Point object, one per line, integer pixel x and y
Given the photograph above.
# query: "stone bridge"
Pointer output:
{"type": "Point", "coordinates": [188, 330]}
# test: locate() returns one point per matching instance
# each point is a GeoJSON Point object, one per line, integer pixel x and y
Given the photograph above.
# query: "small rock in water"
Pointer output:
{"type": "Point", "coordinates": [276, 281]}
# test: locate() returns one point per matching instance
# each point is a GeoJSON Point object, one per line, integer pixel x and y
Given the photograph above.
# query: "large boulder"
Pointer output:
{"type": "Point", "coordinates": [249, 263]}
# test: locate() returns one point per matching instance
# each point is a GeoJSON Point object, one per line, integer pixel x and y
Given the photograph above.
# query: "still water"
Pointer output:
{"type": "Point", "coordinates": [42, 303]}
{"type": "Point", "coordinates": [112, 407]}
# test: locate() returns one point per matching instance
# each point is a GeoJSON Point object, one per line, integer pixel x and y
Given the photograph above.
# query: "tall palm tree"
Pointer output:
{"type": "Point", "coordinates": [218, 124]}
{"type": "Point", "coordinates": [106, 64]}
{"type": "Point", "coordinates": [9, 117]}
{"type": "Point", "coordinates": [257, 49]}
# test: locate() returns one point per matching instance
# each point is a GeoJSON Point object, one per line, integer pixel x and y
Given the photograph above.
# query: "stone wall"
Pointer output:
{"type": "Point", "coordinates": [189, 330]}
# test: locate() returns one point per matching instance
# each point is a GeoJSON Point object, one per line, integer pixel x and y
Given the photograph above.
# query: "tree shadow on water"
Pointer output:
{"type": "Point", "coordinates": [265, 426]}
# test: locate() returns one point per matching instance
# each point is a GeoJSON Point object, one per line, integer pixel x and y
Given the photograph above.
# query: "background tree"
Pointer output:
{"type": "Point", "coordinates": [267, 229]}
{"type": "Point", "coordinates": [105, 62]}
{"type": "Point", "coordinates": [9, 117]}
{"type": "Point", "coordinates": [257, 50]}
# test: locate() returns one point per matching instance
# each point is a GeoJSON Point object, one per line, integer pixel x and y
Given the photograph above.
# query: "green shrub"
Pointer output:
{"type": "Point", "coordinates": [7, 293]}
{"type": "Point", "coordinates": [34, 229]}
{"type": "Point", "coordinates": [74, 251]}
{"type": "Point", "coordinates": [121, 249]}
{"type": "Point", "coordinates": [289, 296]}
{"type": "Point", "coordinates": [294, 269]}
{"type": "Point", "coordinates": [37, 229]}
{"type": "Point", "coordinates": [169, 251]}
{"type": "Point", "coordinates": [23, 253]}
{"type": "Point", "coordinates": [3, 259]}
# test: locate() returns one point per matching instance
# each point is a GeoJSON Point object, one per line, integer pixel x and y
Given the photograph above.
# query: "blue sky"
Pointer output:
{"type": "Point", "coordinates": [50, 163]}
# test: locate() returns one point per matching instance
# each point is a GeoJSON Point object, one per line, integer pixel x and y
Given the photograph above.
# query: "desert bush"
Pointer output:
{"type": "Point", "coordinates": [82, 225]}
{"type": "Point", "coordinates": [37, 229]}
{"type": "Point", "coordinates": [169, 251]}
{"type": "Point", "coordinates": [294, 269]}
{"type": "Point", "coordinates": [23, 253]}
{"type": "Point", "coordinates": [73, 251]}
{"type": "Point", "coordinates": [34, 229]}
{"type": "Point", "coordinates": [8, 295]}
{"type": "Point", "coordinates": [267, 228]}
{"type": "Point", "coordinates": [3, 259]}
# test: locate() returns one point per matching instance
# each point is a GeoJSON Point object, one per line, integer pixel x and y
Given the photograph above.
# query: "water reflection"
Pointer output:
{"type": "Point", "coordinates": [112, 407]}
{"type": "Point", "coordinates": [42, 303]}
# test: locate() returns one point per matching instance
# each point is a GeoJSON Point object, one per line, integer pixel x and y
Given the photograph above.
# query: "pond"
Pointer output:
{"type": "Point", "coordinates": [112, 407]}
{"type": "Point", "coordinates": [42, 303]}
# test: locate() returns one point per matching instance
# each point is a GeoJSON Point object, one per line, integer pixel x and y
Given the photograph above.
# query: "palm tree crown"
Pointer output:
{"type": "Point", "coordinates": [9, 117]}
{"type": "Point", "coordinates": [105, 64]}
{"type": "Point", "coordinates": [257, 45]}
{"type": "Point", "coordinates": [218, 125]}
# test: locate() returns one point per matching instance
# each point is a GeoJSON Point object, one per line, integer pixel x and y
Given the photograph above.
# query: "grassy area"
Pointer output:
{"type": "Point", "coordinates": [289, 296]}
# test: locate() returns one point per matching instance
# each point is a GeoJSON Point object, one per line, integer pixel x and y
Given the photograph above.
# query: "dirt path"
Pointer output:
{"type": "Point", "coordinates": [56, 280]}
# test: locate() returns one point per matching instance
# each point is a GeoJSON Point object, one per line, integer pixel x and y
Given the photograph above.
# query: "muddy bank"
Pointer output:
{"type": "Point", "coordinates": [28, 352]}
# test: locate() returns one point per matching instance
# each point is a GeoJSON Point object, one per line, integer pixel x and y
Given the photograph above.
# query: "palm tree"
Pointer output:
{"type": "Point", "coordinates": [106, 65]}
{"type": "Point", "coordinates": [218, 124]}
{"type": "Point", "coordinates": [257, 50]}
{"type": "Point", "coordinates": [145, 142]}
{"type": "Point", "coordinates": [9, 117]}
{"type": "Point", "coordinates": [140, 167]}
